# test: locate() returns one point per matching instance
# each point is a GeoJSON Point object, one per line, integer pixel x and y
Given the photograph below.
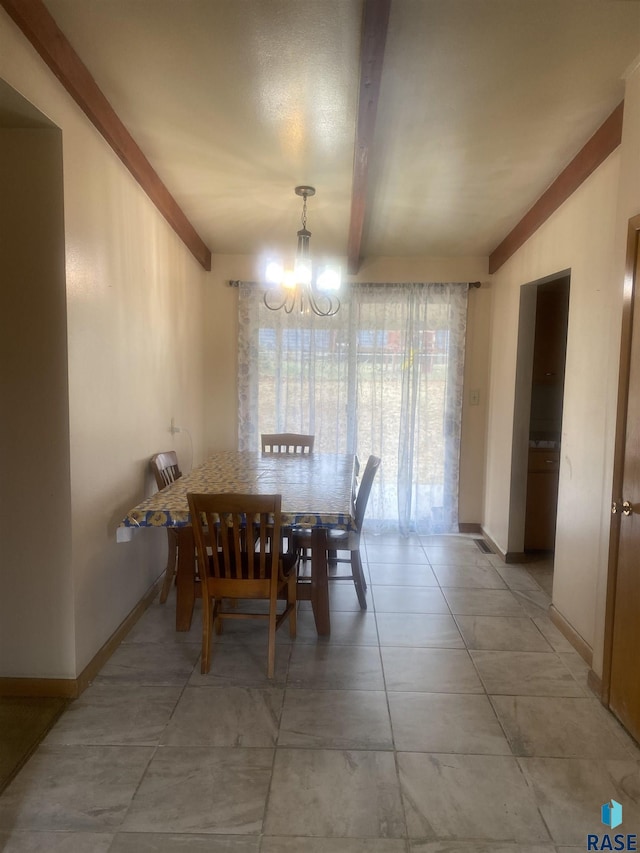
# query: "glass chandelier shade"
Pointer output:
{"type": "Point", "coordinates": [298, 288]}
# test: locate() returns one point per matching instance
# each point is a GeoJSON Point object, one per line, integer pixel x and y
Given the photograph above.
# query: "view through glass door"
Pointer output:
{"type": "Point", "coordinates": [383, 376]}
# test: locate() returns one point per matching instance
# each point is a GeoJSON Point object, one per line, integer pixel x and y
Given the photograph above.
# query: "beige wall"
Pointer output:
{"type": "Point", "coordinates": [474, 416]}
{"type": "Point", "coordinates": [135, 300]}
{"type": "Point", "coordinates": [221, 346]}
{"type": "Point", "coordinates": [628, 206]}
{"type": "Point", "coordinates": [35, 510]}
{"type": "Point", "coordinates": [581, 237]}
{"type": "Point", "coordinates": [588, 235]}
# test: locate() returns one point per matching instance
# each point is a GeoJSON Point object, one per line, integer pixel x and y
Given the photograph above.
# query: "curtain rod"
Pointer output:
{"type": "Point", "coordinates": [236, 283]}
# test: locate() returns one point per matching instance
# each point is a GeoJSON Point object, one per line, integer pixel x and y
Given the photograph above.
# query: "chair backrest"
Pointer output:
{"type": "Point", "coordinates": [362, 498]}
{"type": "Point", "coordinates": [165, 468]}
{"type": "Point", "coordinates": [287, 442]}
{"type": "Point", "coordinates": [237, 536]}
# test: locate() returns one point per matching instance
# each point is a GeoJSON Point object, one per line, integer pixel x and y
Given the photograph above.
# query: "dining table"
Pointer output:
{"type": "Point", "coordinates": [317, 494]}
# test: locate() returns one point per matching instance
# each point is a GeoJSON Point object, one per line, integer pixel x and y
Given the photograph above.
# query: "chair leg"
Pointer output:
{"type": "Point", "coordinates": [172, 565]}
{"type": "Point", "coordinates": [358, 579]}
{"type": "Point", "coordinates": [207, 619]}
{"type": "Point", "coordinates": [292, 591]}
{"type": "Point", "coordinates": [218, 620]}
{"type": "Point", "coordinates": [271, 653]}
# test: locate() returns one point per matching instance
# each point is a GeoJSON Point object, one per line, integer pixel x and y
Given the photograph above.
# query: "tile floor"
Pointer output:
{"type": "Point", "coordinates": [451, 716]}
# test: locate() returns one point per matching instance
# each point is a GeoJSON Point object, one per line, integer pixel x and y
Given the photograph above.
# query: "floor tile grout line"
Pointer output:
{"type": "Point", "coordinates": [156, 748]}
{"type": "Point", "coordinates": [276, 746]}
{"type": "Point", "coordinates": [388, 694]}
{"type": "Point", "coordinates": [535, 799]}
{"type": "Point", "coordinates": [393, 736]}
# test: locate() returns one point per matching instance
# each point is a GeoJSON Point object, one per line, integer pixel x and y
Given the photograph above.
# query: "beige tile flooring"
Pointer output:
{"type": "Point", "coordinates": [451, 716]}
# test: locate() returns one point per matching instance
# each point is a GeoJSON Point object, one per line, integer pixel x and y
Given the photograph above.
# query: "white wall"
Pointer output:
{"type": "Point", "coordinates": [221, 347]}
{"type": "Point", "coordinates": [580, 236]}
{"type": "Point", "coordinates": [135, 300]}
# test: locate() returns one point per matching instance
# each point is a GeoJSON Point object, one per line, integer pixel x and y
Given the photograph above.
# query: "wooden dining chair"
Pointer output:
{"type": "Point", "coordinates": [348, 540]}
{"type": "Point", "coordinates": [238, 543]}
{"type": "Point", "coordinates": [287, 443]}
{"type": "Point", "coordinates": [166, 471]}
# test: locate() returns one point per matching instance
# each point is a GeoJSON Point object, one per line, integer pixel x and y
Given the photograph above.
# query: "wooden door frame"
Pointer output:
{"type": "Point", "coordinates": [633, 240]}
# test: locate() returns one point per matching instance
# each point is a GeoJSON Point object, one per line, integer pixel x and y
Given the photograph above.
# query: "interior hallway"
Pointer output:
{"type": "Point", "coordinates": [451, 716]}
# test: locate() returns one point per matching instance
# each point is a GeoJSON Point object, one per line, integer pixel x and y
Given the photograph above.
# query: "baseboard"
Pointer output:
{"type": "Point", "coordinates": [492, 544]}
{"type": "Point", "coordinates": [71, 688]}
{"type": "Point", "coordinates": [98, 660]}
{"type": "Point", "coordinates": [39, 688]}
{"type": "Point", "coordinates": [594, 682]}
{"type": "Point", "coordinates": [507, 556]}
{"type": "Point", "coordinates": [469, 527]}
{"type": "Point", "coordinates": [516, 557]}
{"type": "Point", "coordinates": [579, 644]}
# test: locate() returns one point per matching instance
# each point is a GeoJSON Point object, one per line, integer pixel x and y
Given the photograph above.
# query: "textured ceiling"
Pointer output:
{"type": "Point", "coordinates": [234, 102]}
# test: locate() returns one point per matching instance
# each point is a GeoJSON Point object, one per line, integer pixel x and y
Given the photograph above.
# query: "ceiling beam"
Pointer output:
{"type": "Point", "coordinates": [603, 142]}
{"type": "Point", "coordinates": [375, 22]}
{"type": "Point", "coordinates": [37, 24]}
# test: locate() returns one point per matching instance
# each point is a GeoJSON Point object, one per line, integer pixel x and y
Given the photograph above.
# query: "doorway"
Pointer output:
{"type": "Point", "coordinates": [545, 418]}
{"type": "Point", "coordinates": [621, 664]}
{"type": "Point", "coordinates": [537, 426]}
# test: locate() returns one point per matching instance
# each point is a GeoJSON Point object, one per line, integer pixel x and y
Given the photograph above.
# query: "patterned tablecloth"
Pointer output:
{"type": "Point", "coordinates": [316, 489]}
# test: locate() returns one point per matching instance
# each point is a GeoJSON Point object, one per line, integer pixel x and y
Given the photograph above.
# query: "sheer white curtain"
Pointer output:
{"type": "Point", "coordinates": [383, 376]}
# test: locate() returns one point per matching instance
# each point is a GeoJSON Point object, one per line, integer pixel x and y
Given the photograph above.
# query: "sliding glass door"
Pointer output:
{"type": "Point", "coordinates": [383, 376]}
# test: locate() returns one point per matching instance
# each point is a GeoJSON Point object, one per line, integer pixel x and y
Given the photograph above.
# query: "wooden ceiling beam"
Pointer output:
{"type": "Point", "coordinates": [39, 27]}
{"type": "Point", "coordinates": [375, 22]}
{"type": "Point", "coordinates": [603, 142]}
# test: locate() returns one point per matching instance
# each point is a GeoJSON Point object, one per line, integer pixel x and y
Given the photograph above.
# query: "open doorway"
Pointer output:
{"type": "Point", "coordinates": [537, 428]}
{"type": "Point", "coordinates": [545, 418]}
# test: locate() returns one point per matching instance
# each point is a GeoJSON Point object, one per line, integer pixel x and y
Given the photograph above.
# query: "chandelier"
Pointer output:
{"type": "Point", "coordinates": [302, 287]}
